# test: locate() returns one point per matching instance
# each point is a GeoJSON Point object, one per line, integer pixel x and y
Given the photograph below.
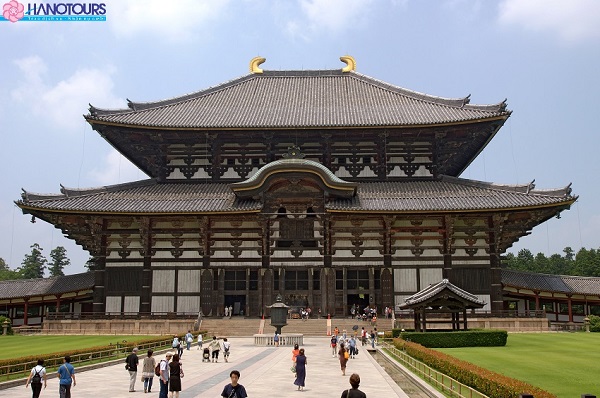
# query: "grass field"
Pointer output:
{"type": "Point", "coordinates": [20, 346]}
{"type": "Point", "coordinates": [565, 364]}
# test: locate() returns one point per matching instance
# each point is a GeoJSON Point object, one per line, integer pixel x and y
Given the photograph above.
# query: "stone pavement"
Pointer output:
{"type": "Point", "coordinates": [265, 372]}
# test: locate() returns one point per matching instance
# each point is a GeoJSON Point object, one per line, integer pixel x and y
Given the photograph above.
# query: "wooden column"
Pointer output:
{"type": "Point", "coordinates": [570, 306]}
{"type": "Point", "coordinates": [25, 310]}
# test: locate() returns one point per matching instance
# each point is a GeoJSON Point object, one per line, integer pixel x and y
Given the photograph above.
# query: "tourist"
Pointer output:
{"type": "Point", "coordinates": [226, 347]}
{"type": "Point", "coordinates": [66, 374]}
{"type": "Point", "coordinates": [230, 311]}
{"type": "Point", "coordinates": [199, 340]}
{"type": "Point", "coordinates": [295, 352]}
{"type": "Point", "coordinates": [189, 339]}
{"type": "Point", "coordinates": [352, 346]}
{"type": "Point", "coordinates": [300, 369]}
{"type": "Point", "coordinates": [148, 371]}
{"type": "Point", "coordinates": [175, 376]}
{"type": "Point", "coordinates": [276, 340]}
{"type": "Point", "coordinates": [333, 345]}
{"type": "Point", "coordinates": [215, 347]}
{"type": "Point", "coordinates": [363, 336]}
{"type": "Point", "coordinates": [164, 375]}
{"type": "Point", "coordinates": [356, 393]}
{"type": "Point", "coordinates": [343, 355]}
{"type": "Point", "coordinates": [233, 389]}
{"type": "Point", "coordinates": [175, 344]}
{"type": "Point", "coordinates": [226, 311]}
{"type": "Point", "coordinates": [37, 374]}
{"type": "Point", "coordinates": [131, 364]}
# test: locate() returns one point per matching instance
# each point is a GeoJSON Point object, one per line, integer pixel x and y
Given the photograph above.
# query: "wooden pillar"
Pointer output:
{"type": "Point", "coordinates": [57, 303]}
{"type": "Point", "coordinates": [424, 319]}
{"type": "Point", "coordinates": [25, 310]}
{"type": "Point", "coordinates": [464, 318]}
{"type": "Point", "coordinates": [569, 304]}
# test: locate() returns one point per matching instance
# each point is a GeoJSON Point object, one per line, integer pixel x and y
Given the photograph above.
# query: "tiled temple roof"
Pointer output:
{"type": "Point", "coordinates": [446, 194]}
{"type": "Point", "coordinates": [551, 283]}
{"type": "Point", "coordinates": [46, 286]}
{"type": "Point", "coordinates": [435, 289]}
{"type": "Point", "coordinates": [299, 99]}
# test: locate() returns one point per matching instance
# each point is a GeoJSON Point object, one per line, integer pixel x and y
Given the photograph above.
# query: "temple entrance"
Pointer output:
{"type": "Point", "coordinates": [359, 301]}
{"type": "Point", "coordinates": [237, 302]}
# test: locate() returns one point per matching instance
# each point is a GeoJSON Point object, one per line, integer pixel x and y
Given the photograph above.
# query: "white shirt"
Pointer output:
{"type": "Point", "coordinates": [38, 369]}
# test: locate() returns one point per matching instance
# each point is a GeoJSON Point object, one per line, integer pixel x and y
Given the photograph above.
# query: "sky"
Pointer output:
{"type": "Point", "coordinates": [543, 56]}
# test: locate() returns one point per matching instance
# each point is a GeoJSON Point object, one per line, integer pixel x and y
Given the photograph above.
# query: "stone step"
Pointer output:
{"type": "Point", "coordinates": [237, 326]}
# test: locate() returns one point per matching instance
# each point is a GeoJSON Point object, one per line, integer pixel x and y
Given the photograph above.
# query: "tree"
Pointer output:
{"type": "Point", "coordinates": [90, 264]}
{"type": "Point", "coordinates": [59, 261]}
{"type": "Point", "coordinates": [3, 265]}
{"type": "Point", "coordinates": [34, 263]}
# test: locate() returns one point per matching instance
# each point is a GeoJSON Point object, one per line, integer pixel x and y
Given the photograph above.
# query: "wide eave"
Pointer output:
{"type": "Point", "coordinates": [299, 99]}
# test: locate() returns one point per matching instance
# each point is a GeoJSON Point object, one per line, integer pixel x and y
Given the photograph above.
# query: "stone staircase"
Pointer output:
{"type": "Point", "coordinates": [238, 326]}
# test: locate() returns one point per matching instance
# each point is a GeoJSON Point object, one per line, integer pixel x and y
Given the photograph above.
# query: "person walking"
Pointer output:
{"type": "Point", "coordinates": [189, 339]}
{"type": "Point", "coordinates": [148, 371]}
{"type": "Point", "coordinates": [215, 347]}
{"type": "Point", "coordinates": [199, 340]}
{"type": "Point", "coordinates": [226, 347]}
{"type": "Point", "coordinates": [131, 364]}
{"type": "Point", "coordinates": [234, 389]}
{"type": "Point", "coordinates": [175, 376]}
{"type": "Point", "coordinates": [300, 369]}
{"type": "Point", "coordinates": [354, 392]}
{"type": "Point", "coordinates": [333, 345]}
{"type": "Point", "coordinates": [352, 346]}
{"type": "Point", "coordinates": [37, 374]}
{"type": "Point", "coordinates": [66, 374]}
{"type": "Point", "coordinates": [343, 356]}
{"type": "Point", "coordinates": [164, 375]}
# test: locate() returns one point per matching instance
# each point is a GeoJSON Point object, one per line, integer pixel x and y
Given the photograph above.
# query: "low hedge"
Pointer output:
{"type": "Point", "coordinates": [492, 384]}
{"type": "Point", "coordinates": [459, 338]}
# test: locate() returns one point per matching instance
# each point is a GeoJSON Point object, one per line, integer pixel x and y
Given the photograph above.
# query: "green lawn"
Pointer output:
{"type": "Point", "coordinates": [20, 346]}
{"type": "Point", "coordinates": [565, 364]}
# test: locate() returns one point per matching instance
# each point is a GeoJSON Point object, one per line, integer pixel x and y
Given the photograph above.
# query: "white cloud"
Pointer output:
{"type": "Point", "coordinates": [63, 102]}
{"type": "Point", "coordinates": [330, 15]}
{"type": "Point", "coordinates": [117, 169]}
{"type": "Point", "coordinates": [572, 20]}
{"type": "Point", "coordinates": [166, 19]}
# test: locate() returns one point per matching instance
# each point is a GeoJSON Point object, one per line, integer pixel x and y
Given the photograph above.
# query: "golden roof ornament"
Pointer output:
{"type": "Point", "coordinates": [254, 62]}
{"type": "Point", "coordinates": [350, 63]}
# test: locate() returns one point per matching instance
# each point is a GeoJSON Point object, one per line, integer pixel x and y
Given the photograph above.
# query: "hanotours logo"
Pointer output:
{"type": "Point", "coordinates": [14, 11]}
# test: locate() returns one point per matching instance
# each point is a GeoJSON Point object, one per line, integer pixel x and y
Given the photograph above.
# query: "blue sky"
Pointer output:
{"type": "Point", "coordinates": [542, 55]}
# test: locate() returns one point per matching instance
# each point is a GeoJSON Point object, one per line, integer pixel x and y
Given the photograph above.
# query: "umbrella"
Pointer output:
{"type": "Point", "coordinates": [355, 327]}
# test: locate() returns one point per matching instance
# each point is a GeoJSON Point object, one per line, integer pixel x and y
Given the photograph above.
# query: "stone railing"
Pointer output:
{"type": "Point", "coordinates": [285, 339]}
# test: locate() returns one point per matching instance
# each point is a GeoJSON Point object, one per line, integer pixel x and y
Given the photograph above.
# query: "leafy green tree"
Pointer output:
{"type": "Point", "coordinates": [90, 264]}
{"type": "Point", "coordinates": [34, 263]}
{"type": "Point", "coordinates": [59, 261]}
{"type": "Point", "coordinates": [7, 274]}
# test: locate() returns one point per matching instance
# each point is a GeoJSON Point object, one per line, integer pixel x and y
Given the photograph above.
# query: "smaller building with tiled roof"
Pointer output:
{"type": "Point", "coordinates": [564, 298]}
{"type": "Point", "coordinates": [28, 301]}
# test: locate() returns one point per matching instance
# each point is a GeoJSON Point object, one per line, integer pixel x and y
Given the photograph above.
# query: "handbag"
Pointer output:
{"type": "Point", "coordinates": [293, 368]}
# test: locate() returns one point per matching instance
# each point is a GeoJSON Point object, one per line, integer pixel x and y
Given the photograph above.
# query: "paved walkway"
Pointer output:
{"type": "Point", "coordinates": [265, 372]}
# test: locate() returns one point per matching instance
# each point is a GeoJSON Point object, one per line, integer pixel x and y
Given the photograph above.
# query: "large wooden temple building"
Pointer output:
{"type": "Point", "coordinates": [328, 187]}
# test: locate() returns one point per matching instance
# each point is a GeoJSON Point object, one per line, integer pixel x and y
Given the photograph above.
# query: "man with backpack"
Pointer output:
{"type": "Point", "coordinates": [163, 373]}
{"type": "Point", "coordinates": [38, 373]}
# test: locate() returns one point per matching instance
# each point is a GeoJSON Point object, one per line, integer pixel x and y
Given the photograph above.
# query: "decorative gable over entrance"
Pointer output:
{"type": "Point", "coordinates": [294, 168]}
{"type": "Point", "coordinates": [441, 298]}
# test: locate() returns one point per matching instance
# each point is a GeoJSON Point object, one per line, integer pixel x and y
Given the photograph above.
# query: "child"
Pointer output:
{"type": "Point", "coordinates": [226, 346]}
{"type": "Point", "coordinates": [233, 389]}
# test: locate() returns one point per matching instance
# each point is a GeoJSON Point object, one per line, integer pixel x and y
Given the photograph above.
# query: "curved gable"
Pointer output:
{"type": "Point", "coordinates": [294, 168]}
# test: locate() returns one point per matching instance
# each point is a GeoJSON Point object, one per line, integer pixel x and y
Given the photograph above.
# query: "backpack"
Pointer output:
{"type": "Point", "coordinates": [37, 378]}
{"type": "Point", "coordinates": [157, 369]}
{"type": "Point", "coordinates": [346, 354]}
